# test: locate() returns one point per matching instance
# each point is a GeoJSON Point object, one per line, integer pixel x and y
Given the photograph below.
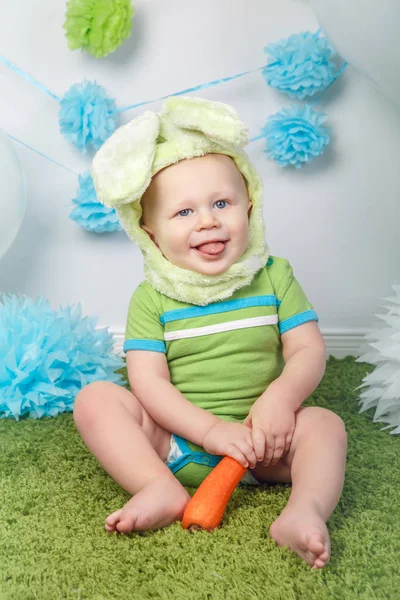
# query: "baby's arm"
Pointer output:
{"type": "Point", "coordinates": [150, 382]}
{"type": "Point", "coordinates": [304, 353]}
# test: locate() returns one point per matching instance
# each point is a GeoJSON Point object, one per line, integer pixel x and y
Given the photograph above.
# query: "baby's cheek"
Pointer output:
{"type": "Point", "coordinates": [177, 246]}
{"type": "Point", "coordinates": [241, 233]}
{"type": "Point", "coordinates": [176, 249]}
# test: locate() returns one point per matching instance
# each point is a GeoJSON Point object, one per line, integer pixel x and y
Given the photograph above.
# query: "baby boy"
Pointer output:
{"type": "Point", "coordinates": [222, 345]}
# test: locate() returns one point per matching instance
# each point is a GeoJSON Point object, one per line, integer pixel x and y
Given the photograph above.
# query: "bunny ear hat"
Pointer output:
{"type": "Point", "coordinates": [123, 168]}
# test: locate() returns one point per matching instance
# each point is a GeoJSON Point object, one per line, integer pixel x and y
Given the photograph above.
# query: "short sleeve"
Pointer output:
{"type": "Point", "coordinates": [144, 330]}
{"type": "Point", "coordinates": [293, 306]}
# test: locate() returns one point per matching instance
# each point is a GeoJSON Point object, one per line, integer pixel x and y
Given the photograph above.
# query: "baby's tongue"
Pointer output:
{"type": "Point", "coordinates": [211, 247]}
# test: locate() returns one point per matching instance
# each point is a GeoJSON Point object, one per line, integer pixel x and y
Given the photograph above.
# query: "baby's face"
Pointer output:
{"type": "Point", "coordinates": [197, 213]}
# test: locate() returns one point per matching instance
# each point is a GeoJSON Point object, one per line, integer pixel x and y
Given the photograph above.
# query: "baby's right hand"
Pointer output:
{"type": "Point", "coordinates": [231, 439]}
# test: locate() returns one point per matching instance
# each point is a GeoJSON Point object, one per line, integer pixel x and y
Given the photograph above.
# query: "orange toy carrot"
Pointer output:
{"type": "Point", "coordinates": [207, 506]}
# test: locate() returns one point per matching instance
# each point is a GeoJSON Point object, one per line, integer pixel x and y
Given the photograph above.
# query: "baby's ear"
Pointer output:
{"type": "Point", "coordinates": [216, 120]}
{"type": "Point", "coordinates": [149, 233]}
{"type": "Point", "coordinates": [122, 168]}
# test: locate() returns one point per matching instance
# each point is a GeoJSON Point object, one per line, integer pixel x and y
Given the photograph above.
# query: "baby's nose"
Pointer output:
{"type": "Point", "coordinates": [207, 219]}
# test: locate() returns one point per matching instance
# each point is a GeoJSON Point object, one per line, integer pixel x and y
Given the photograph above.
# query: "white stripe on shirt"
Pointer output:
{"type": "Point", "coordinates": [220, 327]}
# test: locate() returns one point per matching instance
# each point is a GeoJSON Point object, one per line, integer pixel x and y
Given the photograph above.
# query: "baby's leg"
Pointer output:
{"type": "Point", "coordinates": [315, 464]}
{"type": "Point", "coordinates": [132, 448]}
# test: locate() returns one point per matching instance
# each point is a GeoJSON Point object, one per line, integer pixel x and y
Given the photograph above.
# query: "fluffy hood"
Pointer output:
{"type": "Point", "coordinates": [123, 168]}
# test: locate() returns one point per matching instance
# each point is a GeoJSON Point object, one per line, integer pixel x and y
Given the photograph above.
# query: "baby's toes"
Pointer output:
{"type": "Point", "coordinates": [126, 522]}
{"type": "Point", "coordinates": [112, 520]}
{"type": "Point", "coordinates": [318, 550]}
{"type": "Point", "coordinates": [321, 560]}
{"type": "Point", "coordinates": [316, 543]}
{"type": "Point", "coordinates": [319, 564]}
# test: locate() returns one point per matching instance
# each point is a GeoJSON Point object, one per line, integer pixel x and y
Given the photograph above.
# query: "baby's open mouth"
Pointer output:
{"type": "Point", "coordinates": [211, 248]}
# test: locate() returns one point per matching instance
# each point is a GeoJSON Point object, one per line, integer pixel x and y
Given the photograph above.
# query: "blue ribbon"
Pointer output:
{"type": "Point", "coordinates": [41, 154]}
{"type": "Point", "coordinates": [202, 86]}
{"type": "Point", "coordinates": [119, 110]}
{"type": "Point", "coordinates": [196, 88]}
{"type": "Point", "coordinates": [28, 77]}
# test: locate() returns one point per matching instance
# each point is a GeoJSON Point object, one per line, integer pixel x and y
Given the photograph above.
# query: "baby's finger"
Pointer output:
{"type": "Point", "coordinates": [278, 450]}
{"type": "Point", "coordinates": [288, 442]}
{"type": "Point", "coordinates": [234, 452]}
{"type": "Point", "coordinates": [258, 443]}
{"type": "Point", "coordinates": [269, 450]}
{"type": "Point", "coordinates": [246, 447]}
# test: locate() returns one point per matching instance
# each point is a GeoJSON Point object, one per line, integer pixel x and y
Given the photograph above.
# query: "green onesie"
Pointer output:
{"type": "Point", "coordinates": [222, 356]}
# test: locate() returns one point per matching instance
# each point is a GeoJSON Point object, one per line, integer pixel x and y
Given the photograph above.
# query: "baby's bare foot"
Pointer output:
{"type": "Point", "coordinates": [161, 502]}
{"type": "Point", "coordinates": [304, 533]}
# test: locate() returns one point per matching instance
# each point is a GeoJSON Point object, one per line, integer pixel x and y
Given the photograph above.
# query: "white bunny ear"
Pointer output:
{"type": "Point", "coordinates": [122, 168]}
{"type": "Point", "coordinates": [216, 120]}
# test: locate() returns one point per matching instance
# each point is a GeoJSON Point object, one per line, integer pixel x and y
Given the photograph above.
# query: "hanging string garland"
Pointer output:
{"type": "Point", "coordinates": [295, 135]}
{"type": "Point", "coordinates": [47, 356]}
{"type": "Point", "coordinates": [98, 26]}
{"type": "Point", "coordinates": [300, 68]}
{"type": "Point", "coordinates": [300, 65]}
{"type": "Point", "coordinates": [86, 115]}
{"type": "Point", "coordinates": [89, 213]}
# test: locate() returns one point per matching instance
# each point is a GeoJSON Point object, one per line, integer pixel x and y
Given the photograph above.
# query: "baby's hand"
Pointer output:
{"type": "Point", "coordinates": [272, 425]}
{"type": "Point", "coordinates": [231, 439]}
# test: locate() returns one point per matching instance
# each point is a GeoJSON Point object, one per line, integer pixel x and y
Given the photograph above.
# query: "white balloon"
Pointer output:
{"type": "Point", "coordinates": [12, 193]}
{"type": "Point", "coordinates": [367, 34]}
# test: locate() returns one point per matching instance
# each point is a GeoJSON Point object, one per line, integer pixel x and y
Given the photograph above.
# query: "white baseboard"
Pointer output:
{"type": "Point", "coordinates": [339, 342]}
{"type": "Point", "coordinates": [344, 342]}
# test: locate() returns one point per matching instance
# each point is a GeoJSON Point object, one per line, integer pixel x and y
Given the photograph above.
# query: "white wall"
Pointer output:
{"type": "Point", "coordinates": [337, 219]}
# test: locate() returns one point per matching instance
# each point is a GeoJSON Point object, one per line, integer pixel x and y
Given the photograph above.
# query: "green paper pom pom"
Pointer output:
{"type": "Point", "coordinates": [98, 26]}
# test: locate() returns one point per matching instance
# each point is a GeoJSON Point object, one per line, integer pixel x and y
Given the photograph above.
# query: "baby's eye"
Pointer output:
{"type": "Point", "coordinates": [185, 210]}
{"type": "Point", "coordinates": [219, 202]}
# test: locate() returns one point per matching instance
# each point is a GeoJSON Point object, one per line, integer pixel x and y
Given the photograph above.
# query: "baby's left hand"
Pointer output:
{"type": "Point", "coordinates": [272, 425]}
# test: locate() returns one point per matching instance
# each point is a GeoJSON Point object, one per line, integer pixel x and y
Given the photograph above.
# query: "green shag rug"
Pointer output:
{"type": "Point", "coordinates": [54, 498]}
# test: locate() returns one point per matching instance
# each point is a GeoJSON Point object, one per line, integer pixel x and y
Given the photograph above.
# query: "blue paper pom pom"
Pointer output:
{"type": "Point", "coordinates": [295, 135]}
{"type": "Point", "coordinates": [300, 65]}
{"type": "Point", "coordinates": [89, 212]}
{"type": "Point", "coordinates": [47, 356]}
{"type": "Point", "coordinates": [85, 115]}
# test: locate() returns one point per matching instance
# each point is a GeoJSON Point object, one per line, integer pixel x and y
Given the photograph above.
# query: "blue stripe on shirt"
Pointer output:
{"type": "Point", "coordinates": [174, 315]}
{"type": "Point", "coordinates": [218, 307]}
{"type": "Point", "coordinates": [304, 317]}
{"type": "Point", "coordinates": [153, 345]}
